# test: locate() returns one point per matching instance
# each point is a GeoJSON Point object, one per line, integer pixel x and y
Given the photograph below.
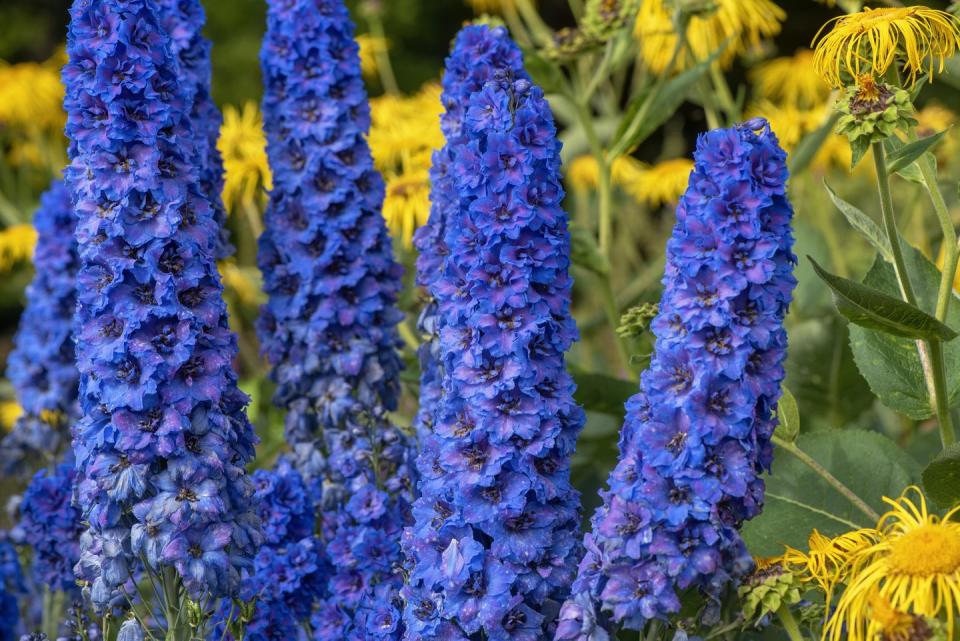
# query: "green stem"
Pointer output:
{"type": "Point", "coordinates": [724, 95]}
{"type": "Point", "coordinates": [789, 623]}
{"type": "Point", "coordinates": [542, 33]}
{"type": "Point", "coordinates": [621, 147]}
{"type": "Point", "coordinates": [947, 435]}
{"type": "Point", "coordinates": [931, 352]}
{"type": "Point", "coordinates": [601, 72]}
{"type": "Point", "coordinates": [825, 474]}
{"type": "Point", "coordinates": [384, 67]}
{"type": "Point", "coordinates": [890, 224]}
{"type": "Point", "coordinates": [950, 249]}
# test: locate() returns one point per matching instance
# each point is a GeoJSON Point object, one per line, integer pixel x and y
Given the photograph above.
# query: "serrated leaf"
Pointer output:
{"type": "Point", "coordinates": [798, 499]}
{"type": "Point", "coordinates": [657, 108]}
{"type": "Point", "coordinates": [891, 364]}
{"type": "Point", "coordinates": [788, 416]}
{"type": "Point", "coordinates": [822, 374]}
{"type": "Point", "coordinates": [862, 223]}
{"type": "Point", "coordinates": [868, 307]}
{"type": "Point", "coordinates": [941, 479]}
{"type": "Point", "coordinates": [909, 153]}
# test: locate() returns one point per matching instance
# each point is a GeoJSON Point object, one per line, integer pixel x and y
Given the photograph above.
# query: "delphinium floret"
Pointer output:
{"type": "Point", "coordinates": [492, 552]}
{"type": "Point", "coordinates": [50, 525]}
{"type": "Point", "coordinates": [479, 53]}
{"type": "Point", "coordinates": [698, 434]}
{"type": "Point", "coordinates": [163, 442]}
{"type": "Point", "coordinates": [11, 588]}
{"type": "Point", "coordinates": [329, 327]}
{"type": "Point", "coordinates": [184, 21]}
{"type": "Point", "coordinates": [288, 575]}
{"type": "Point", "coordinates": [42, 366]}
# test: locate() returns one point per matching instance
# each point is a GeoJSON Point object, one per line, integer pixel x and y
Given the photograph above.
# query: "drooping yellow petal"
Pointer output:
{"type": "Point", "coordinates": [243, 146]}
{"type": "Point", "coordinates": [874, 39]}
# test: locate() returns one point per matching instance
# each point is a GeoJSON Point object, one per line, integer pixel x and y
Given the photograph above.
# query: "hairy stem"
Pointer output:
{"type": "Point", "coordinates": [825, 474]}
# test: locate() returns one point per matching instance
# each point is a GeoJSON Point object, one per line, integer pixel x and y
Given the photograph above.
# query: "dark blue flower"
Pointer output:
{"type": "Point", "coordinates": [50, 525]}
{"type": "Point", "coordinates": [329, 327]}
{"type": "Point", "coordinates": [11, 588]}
{"type": "Point", "coordinates": [496, 526]}
{"type": "Point", "coordinates": [42, 366]}
{"type": "Point", "coordinates": [479, 54]}
{"type": "Point", "coordinates": [697, 435]}
{"type": "Point", "coordinates": [163, 442]}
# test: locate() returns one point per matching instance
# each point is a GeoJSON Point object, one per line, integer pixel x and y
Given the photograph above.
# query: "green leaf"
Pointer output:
{"type": "Point", "coordinates": [798, 499]}
{"type": "Point", "coordinates": [911, 152]}
{"type": "Point", "coordinates": [941, 479]}
{"type": "Point", "coordinates": [892, 365]}
{"type": "Point", "coordinates": [662, 105]}
{"type": "Point", "coordinates": [858, 149]}
{"type": "Point", "coordinates": [584, 251]}
{"type": "Point", "coordinates": [862, 223]}
{"type": "Point", "coordinates": [868, 307]}
{"type": "Point", "coordinates": [601, 393]}
{"type": "Point", "coordinates": [810, 144]}
{"type": "Point", "coordinates": [545, 73]}
{"type": "Point", "coordinates": [788, 415]}
{"type": "Point", "coordinates": [822, 374]}
{"type": "Point", "coordinates": [892, 145]}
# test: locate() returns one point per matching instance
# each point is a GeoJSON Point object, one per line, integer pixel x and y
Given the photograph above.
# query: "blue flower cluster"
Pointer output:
{"type": "Point", "coordinates": [697, 435]}
{"type": "Point", "coordinates": [51, 526]}
{"type": "Point", "coordinates": [288, 576]}
{"type": "Point", "coordinates": [493, 548]}
{"type": "Point", "coordinates": [479, 53]}
{"type": "Point", "coordinates": [42, 366]}
{"type": "Point", "coordinates": [163, 443]}
{"type": "Point", "coordinates": [329, 328]}
{"type": "Point", "coordinates": [11, 587]}
{"type": "Point", "coordinates": [183, 21]}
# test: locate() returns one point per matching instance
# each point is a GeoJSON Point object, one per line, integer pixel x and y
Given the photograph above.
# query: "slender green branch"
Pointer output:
{"type": "Point", "coordinates": [601, 73]}
{"type": "Point", "coordinates": [940, 398]}
{"type": "Point", "coordinates": [789, 623]}
{"type": "Point", "coordinates": [951, 255]}
{"type": "Point", "coordinates": [825, 474]}
{"type": "Point", "coordinates": [542, 33]}
{"type": "Point", "coordinates": [724, 95]}
{"type": "Point", "coordinates": [890, 224]}
{"type": "Point", "coordinates": [384, 67]}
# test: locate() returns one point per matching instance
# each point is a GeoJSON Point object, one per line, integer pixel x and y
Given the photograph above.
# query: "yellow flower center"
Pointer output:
{"type": "Point", "coordinates": [928, 550]}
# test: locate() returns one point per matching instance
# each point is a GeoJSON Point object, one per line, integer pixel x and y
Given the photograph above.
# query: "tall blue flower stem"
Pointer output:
{"type": "Point", "coordinates": [698, 434]}
{"type": "Point", "coordinates": [42, 366]}
{"type": "Point", "coordinates": [163, 442]}
{"type": "Point", "coordinates": [492, 550]}
{"type": "Point", "coordinates": [329, 328]}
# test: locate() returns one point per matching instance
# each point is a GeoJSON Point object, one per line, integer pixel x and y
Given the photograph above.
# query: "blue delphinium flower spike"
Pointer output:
{"type": "Point", "coordinates": [329, 328]}
{"type": "Point", "coordinates": [50, 525]}
{"type": "Point", "coordinates": [183, 21]}
{"type": "Point", "coordinates": [163, 443]}
{"type": "Point", "coordinates": [496, 535]}
{"type": "Point", "coordinates": [479, 53]}
{"type": "Point", "coordinates": [11, 588]}
{"type": "Point", "coordinates": [697, 435]}
{"type": "Point", "coordinates": [42, 366]}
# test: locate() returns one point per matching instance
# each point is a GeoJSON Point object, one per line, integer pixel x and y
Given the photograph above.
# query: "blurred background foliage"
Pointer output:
{"type": "Point", "coordinates": [403, 49]}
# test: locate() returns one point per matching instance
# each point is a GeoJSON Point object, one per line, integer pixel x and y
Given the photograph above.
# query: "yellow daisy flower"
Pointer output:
{"type": "Point", "coordinates": [914, 565]}
{"type": "Point", "coordinates": [370, 47]}
{"type": "Point", "coordinates": [662, 183]}
{"type": "Point", "coordinates": [745, 23]}
{"type": "Point", "coordinates": [490, 6]}
{"type": "Point", "coordinates": [407, 204]}
{"type": "Point", "coordinates": [791, 80]}
{"type": "Point", "coordinates": [583, 174]}
{"type": "Point", "coordinates": [873, 39]}
{"type": "Point", "coordinates": [245, 282]}
{"type": "Point", "coordinates": [404, 132]}
{"type": "Point", "coordinates": [16, 245]}
{"type": "Point", "coordinates": [10, 411]}
{"type": "Point", "coordinates": [243, 146]}
{"type": "Point", "coordinates": [827, 559]}
{"type": "Point", "coordinates": [31, 95]}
